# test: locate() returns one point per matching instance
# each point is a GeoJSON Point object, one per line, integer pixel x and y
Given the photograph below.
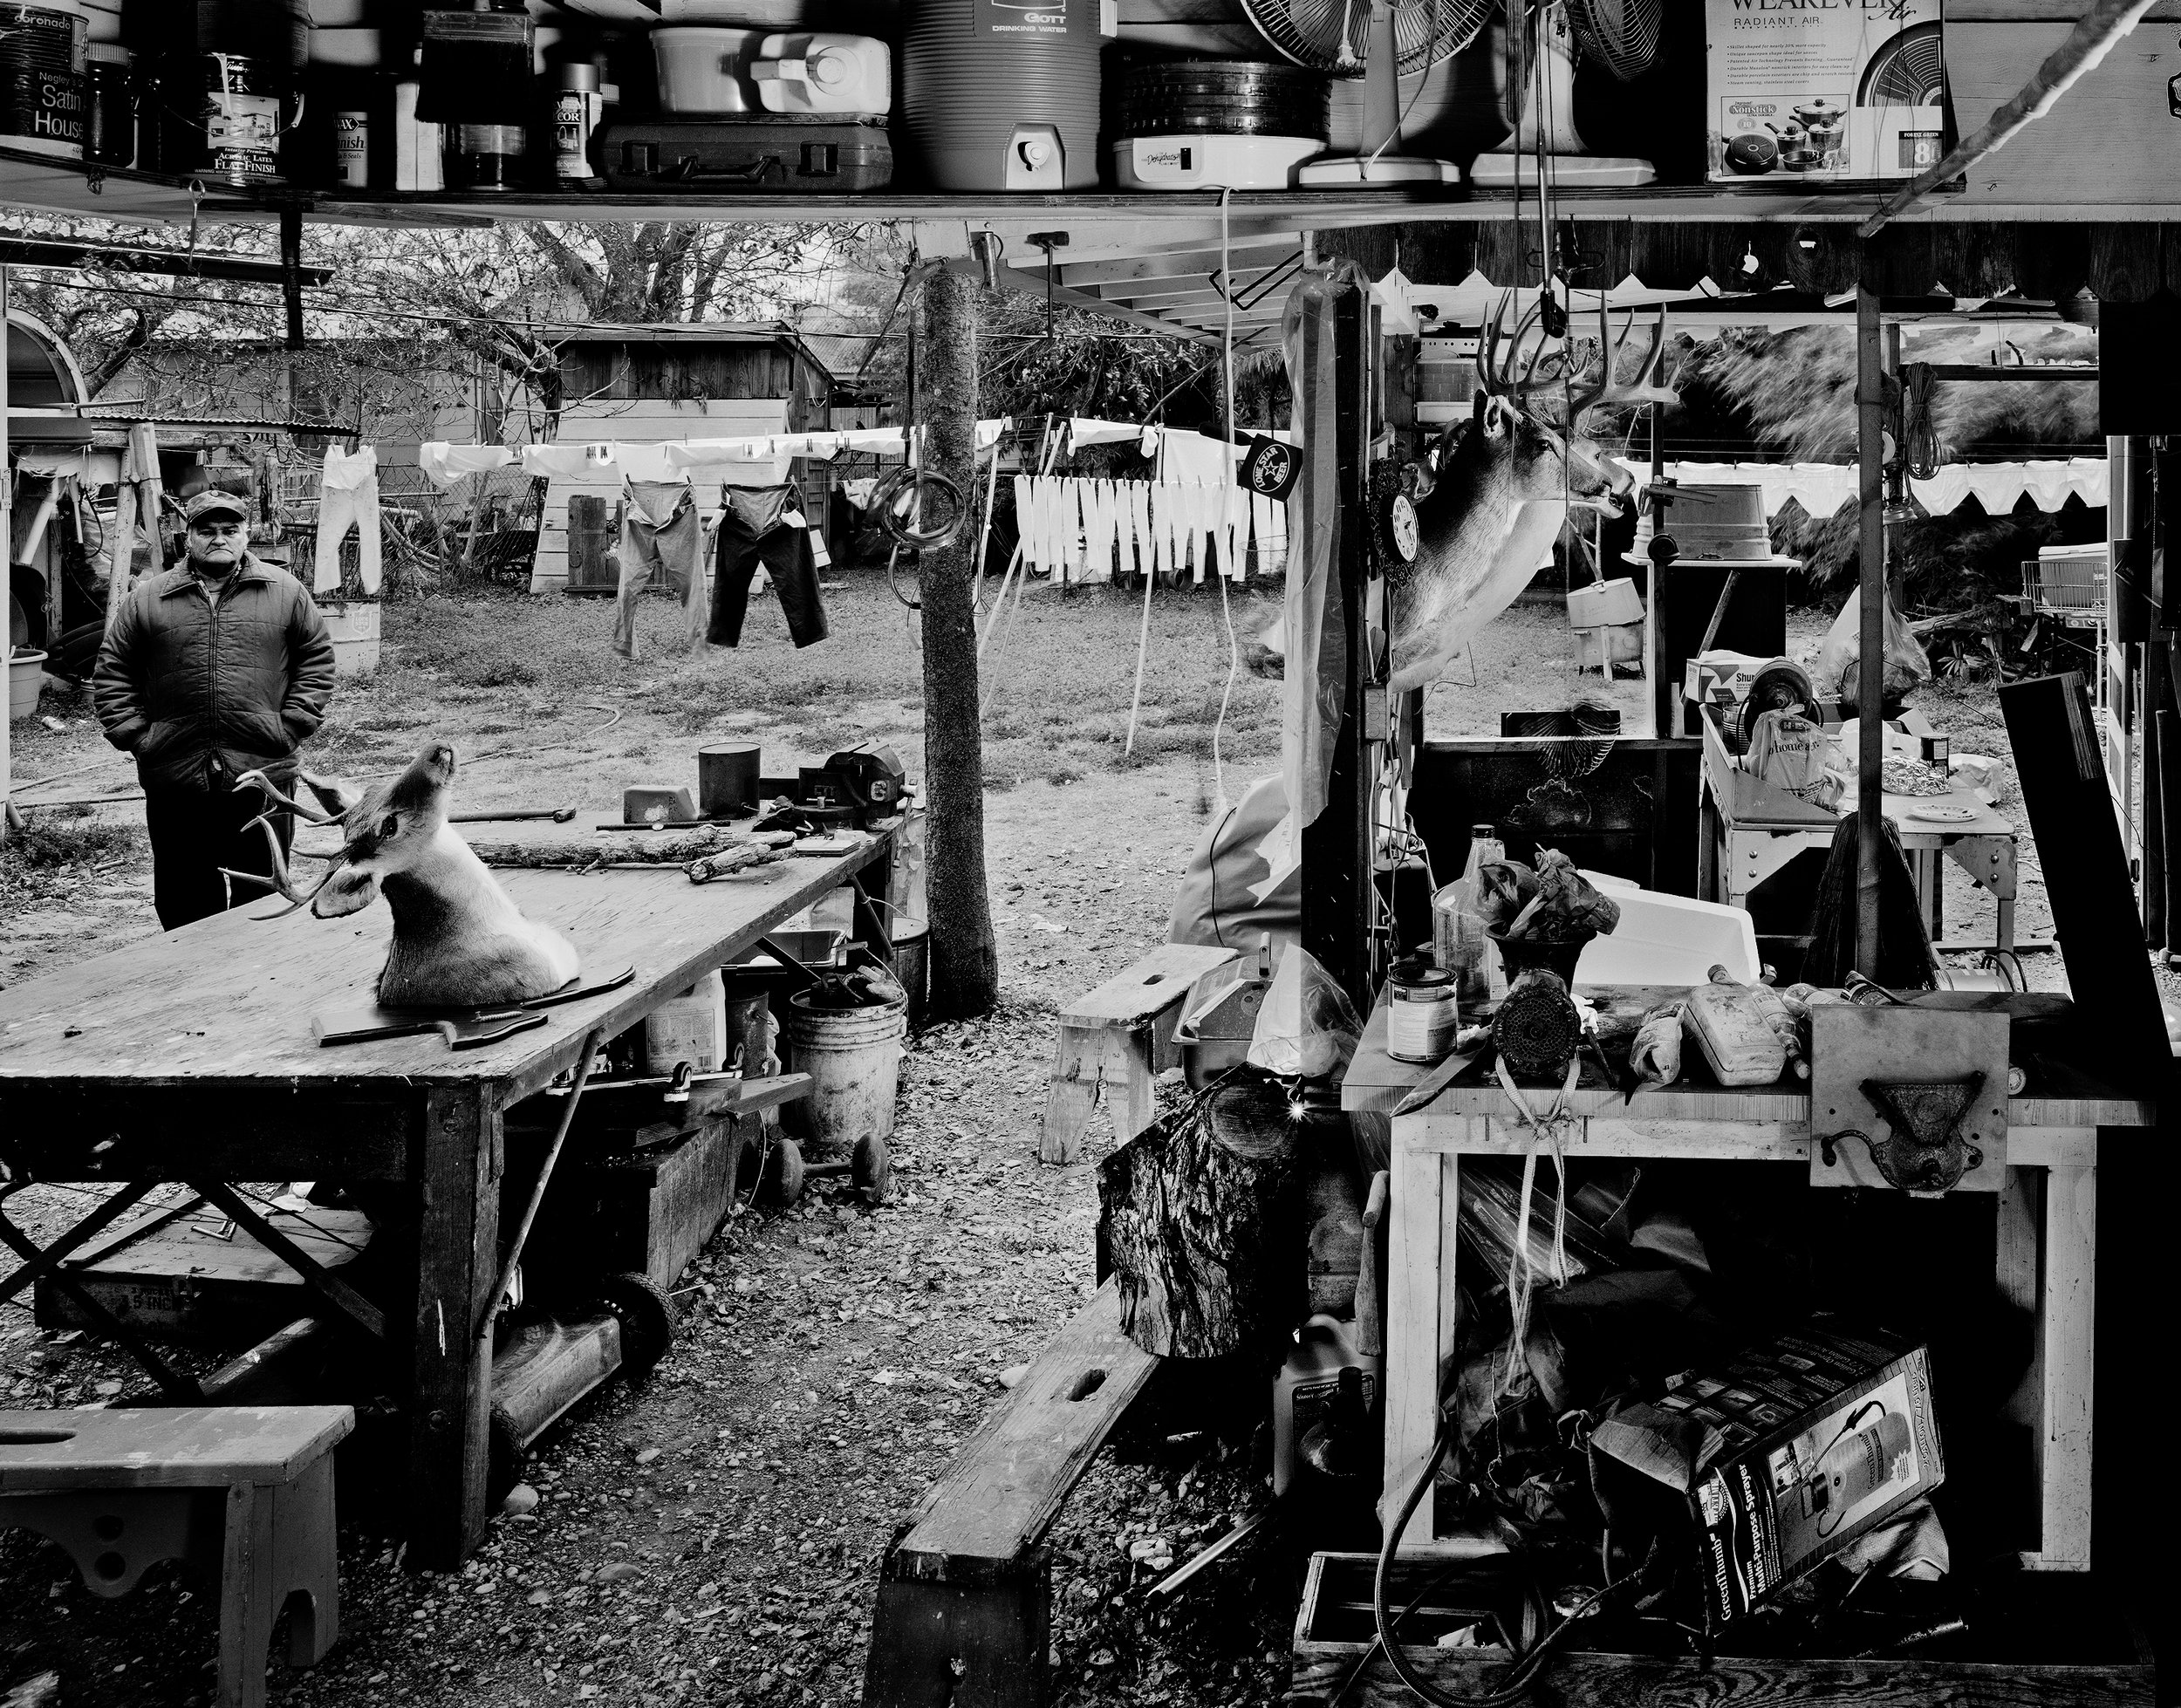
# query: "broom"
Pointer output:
{"type": "Point", "coordinates": [1903, 961]}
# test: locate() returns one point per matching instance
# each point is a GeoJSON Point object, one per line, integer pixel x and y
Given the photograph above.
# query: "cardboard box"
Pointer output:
{"type": "Point", "coordinates": [1823, 91]}
{"type": "Point", "coordinates": [1785, 1454]}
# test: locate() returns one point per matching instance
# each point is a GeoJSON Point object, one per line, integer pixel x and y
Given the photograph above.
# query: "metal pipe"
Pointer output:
{"type": "Point", "coordinates": [544, 1177]}
{"type": "Point", "coordinates": [1871, 585]}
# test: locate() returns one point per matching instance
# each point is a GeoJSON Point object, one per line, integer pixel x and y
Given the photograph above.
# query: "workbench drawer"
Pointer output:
{"type": "Point", "coordinates": [2051, 1640]}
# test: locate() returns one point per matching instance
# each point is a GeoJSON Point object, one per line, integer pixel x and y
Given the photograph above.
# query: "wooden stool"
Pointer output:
{"type": "Point", "coordinates": [1126, 1029]}
{"type": "Point", "coordinates": [964, 1613]}
{"type": "Point", "coordinates": [246, 1491]}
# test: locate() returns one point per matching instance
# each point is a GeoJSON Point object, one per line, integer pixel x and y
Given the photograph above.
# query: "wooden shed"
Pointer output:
{"type": "Point", "coordinates": [652, 385]}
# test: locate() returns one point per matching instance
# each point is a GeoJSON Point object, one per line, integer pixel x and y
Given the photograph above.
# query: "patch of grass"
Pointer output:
{"type": "Point", "coordinates": [68, 837]}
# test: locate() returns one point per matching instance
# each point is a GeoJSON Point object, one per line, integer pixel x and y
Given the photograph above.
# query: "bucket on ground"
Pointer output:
{"type": "Point", "coordinates": [912, 940]}
{"type": "Point", "coordinates": [26, 672]}
{"type": "Point", "coordinates": [853, 1057]}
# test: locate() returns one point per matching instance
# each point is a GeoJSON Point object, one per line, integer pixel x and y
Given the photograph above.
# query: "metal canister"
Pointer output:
{"type": "Point", "coordinates": [242, 118]}
{"type": "Point", "coordinates": [578, 109]}
{"type": "Point", "coordinates": [41, 79]}
{"type": "Point", "coordinates": [1421, 1012]}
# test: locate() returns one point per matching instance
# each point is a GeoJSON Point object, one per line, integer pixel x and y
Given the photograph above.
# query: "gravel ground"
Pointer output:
{"type": "Point", "coordinates": [712, 1533]}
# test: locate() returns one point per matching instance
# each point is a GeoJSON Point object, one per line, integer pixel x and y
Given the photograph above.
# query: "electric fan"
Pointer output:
{"type": "Point", "coordinates": [1909, 70]}
{"type": "Point", "coordinates": [1385, 40]}
{"type": "Point", "coordinates": [1621, 35]}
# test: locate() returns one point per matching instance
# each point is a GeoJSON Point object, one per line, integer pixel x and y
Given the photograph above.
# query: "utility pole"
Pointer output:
{"type": "Point", "coordinates": [965, 975]}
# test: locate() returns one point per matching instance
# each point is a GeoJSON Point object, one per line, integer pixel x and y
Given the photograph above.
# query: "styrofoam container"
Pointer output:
{"type": "Point", "coordinates": [703, 68]}
{"type": "Point", "coordinates": [1665, 940]}
{"type": "Point", "coordinates": [1605, 605]}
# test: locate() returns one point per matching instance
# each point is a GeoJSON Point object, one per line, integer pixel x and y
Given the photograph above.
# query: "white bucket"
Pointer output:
{"type": "Point", "coordinates": [355, 629]}
{"type": "Point", "coordinates": [703, 68]}
{"type": "Point", "coordinates": [1605, 605]}
{"type": "Point", "coordinates": [853, 1057]}
{"type": "Point", "coordinates": [26, 675]}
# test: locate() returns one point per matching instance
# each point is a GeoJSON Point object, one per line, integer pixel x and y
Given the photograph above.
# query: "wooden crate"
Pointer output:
{"type": "Point", "coordinates": [196, 1274]}
{"type": "Point", "coordinates": [2055, 1643]}
{"type": "Point", "coordinates": [658, 1209]}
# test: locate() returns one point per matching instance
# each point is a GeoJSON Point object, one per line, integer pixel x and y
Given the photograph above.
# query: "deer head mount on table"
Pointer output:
{"type": "Point", "coordinates": [1494, 490]}
{"type": "Point", "coordinates": [459, 939]}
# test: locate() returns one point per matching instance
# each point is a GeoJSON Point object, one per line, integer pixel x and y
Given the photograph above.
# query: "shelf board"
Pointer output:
{"type": "Point", "coordinates": [42, 184]}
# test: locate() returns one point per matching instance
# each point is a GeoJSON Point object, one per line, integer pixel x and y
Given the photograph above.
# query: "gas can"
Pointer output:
{"type": "Point", "coordinates": [1304, 1389]}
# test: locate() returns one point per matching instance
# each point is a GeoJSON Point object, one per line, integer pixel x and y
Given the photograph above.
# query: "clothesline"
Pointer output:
{"type": "Point", "coordinates": [1822, 488]}
{"type": "Point", "coordinates": [675, 459]}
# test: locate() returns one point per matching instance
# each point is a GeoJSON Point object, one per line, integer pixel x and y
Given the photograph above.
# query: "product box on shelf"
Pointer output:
{"type": "Point", "coordinates": [1825, 93]}
{"type": "Point", "coordinates": [1785, 1454]}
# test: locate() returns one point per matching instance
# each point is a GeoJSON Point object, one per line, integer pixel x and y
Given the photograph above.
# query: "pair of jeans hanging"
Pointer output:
{"type": "Point", "coordinates": [348, 498]}
{"type": "Point", "coordinates": [661, 534]}
{"type": "Point", "coordinates": [765, 525]}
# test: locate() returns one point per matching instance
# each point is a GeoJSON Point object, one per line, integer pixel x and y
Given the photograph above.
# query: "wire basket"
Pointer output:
{"type": "Point", "coordinates": [2068, 581]}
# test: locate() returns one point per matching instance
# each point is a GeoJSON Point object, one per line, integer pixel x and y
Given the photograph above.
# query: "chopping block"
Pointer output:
{"type": "Point", "coordinates": [245, 1492]}
{"type": "Point", "coordinates": [1121, 1034]}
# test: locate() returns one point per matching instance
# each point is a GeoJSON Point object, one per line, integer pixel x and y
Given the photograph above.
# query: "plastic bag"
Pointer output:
{"type": "Point", "coordinates": [1834, 669]}
{"type": "Point", "coordinates": [1308, 1027]}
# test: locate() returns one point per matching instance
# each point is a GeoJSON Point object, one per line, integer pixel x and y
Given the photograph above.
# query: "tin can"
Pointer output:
{"type": "Point", "coordinates": [242, 120]}
{"type": "Point", "coordinates": [41, 80]}
{"type": "Point", "coordinates": [579, 109]}
{"type": "Point", "coordinates": [1421, 1012]}
{"type": "Point", "coordinates": [1937, 749]}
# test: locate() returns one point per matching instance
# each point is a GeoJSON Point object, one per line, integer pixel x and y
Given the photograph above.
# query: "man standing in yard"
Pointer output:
{"type": "Point", "coordinates": [216, 667]}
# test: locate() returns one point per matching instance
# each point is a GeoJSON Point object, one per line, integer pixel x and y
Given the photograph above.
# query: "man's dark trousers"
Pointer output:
{"type": "Point", "coordinates": [197, 831]}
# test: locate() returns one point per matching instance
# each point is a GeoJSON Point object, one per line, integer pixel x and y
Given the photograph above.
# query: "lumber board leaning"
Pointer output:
{"type": "Point", "coordinates": [1010, 1480]}
{"type": "Point", "coordinates": [1642, 1681]}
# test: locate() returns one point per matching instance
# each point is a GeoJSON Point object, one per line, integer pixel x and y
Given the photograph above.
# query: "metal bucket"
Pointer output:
{"type": "Point", "coordinates": [853, 1057]}
{"type": "Point", "coordinates": [912, 940]}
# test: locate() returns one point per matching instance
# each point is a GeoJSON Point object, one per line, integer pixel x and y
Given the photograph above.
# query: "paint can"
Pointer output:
{"type": "Point", "coordinates": [1421, 1012]}
{"type": "Point", "coordinates": [242, 118]}
{"type": "Point", "coordinates": [42, 78]}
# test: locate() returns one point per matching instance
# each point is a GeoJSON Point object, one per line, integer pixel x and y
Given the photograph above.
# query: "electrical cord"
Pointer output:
{"type": "Point", "coordinates": [1515, 1685]}
{"type": "Point", "coordinates": [1919, 438]}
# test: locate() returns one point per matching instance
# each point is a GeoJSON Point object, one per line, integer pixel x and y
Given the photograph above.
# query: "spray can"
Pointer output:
{"type": "Point", "coordinates": [578, 109]}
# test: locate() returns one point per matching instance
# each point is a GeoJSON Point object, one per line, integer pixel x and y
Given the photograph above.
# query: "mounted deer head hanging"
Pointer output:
{"type": "Point", "coordinates": [1498, 486]}
{"type": "Point", "coordinates": [459, 939]}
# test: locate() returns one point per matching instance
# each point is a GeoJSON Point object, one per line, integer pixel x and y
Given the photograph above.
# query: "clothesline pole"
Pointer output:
{"type": "Point", "coordinates": [1143, 650]}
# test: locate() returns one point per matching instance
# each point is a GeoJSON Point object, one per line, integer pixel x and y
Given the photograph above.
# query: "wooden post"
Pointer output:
{"type": "Point", "coordinates": [7, 532]}
{"type": "Point", "coordinates": [965, 972]}
{"type": "Point", "coordinates": [291, 272]}
{"type": "Point", "coordinates": [1870, 584]}
{"type": "Point", "coordinates": [457, 1265]}
{"type": "Point", "coordinates": [1336, 847]}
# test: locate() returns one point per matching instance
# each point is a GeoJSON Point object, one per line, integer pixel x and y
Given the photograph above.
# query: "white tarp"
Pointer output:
{"type": "Point", "coordinates": [1822, 487]}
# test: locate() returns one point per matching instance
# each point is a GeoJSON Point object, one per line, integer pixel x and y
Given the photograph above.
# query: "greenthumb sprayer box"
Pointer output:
{"type": "Point", "coordinates": [1824, 91]}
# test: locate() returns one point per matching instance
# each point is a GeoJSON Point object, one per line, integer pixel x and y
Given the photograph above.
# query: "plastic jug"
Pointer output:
{"type": "Point", "coordinates": [1307, 1383]}
{"type": "Point", "coordinates": [689, 1027]}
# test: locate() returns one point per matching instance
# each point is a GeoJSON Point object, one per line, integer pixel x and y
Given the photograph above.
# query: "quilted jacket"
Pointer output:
{"type": "Point", "coordinates": [199, 692]}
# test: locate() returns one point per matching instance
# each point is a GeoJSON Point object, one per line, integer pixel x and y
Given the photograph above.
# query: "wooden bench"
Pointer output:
{"type": "Point", "coordinates": [1120, 1034]}
{"type": "Point", "coordinates": [965, 1596]}
{"type": "Point", "coordinates": [245, 1492]}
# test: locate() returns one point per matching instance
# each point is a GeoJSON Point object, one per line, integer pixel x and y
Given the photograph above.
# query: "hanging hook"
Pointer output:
{"type": "Point", "coordinates": [1048, 241]}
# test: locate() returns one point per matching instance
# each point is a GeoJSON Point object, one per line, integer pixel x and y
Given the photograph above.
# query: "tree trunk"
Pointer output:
{"type": "Point", "coordinates": [965, 973]}
{"type": "Point", "coordinates": [1201, 1219]}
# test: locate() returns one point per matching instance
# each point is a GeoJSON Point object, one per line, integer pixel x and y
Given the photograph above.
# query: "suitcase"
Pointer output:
{"type": "Point", "coordinates": [757, 151]}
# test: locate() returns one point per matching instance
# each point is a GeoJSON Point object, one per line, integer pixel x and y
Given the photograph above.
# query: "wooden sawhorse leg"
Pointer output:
{"type": "Point", "coordinates": [2048, 1250]}
{"type": "Point", "coordinates": [1419, 1324]}
{"type": "Point", "coordinates": [1091, 1062]}
{"type": "Point", "coordinates": [457, 1263]}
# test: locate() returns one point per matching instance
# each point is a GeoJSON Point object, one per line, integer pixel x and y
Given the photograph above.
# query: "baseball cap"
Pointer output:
{"type": "Point", "coordinates": [212, 501]}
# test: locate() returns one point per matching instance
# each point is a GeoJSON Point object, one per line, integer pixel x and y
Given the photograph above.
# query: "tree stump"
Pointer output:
{"type": "Point", "coordinates": [1201, 1222]}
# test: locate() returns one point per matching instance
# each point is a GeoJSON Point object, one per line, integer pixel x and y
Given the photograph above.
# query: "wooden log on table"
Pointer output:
{"type": "Point", "coordinates": [1201, 1221]}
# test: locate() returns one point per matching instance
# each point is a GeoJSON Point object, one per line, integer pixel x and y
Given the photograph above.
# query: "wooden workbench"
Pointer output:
{"type": "Point", "coordinates": [190, 1056]}
{"type": "Point", "coordinates": [2045, 1260]}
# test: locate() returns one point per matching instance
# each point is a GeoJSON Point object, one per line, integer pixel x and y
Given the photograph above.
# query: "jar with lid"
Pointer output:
{"type": "Point", "coordinates": [476, 82]}
{"type": "Point", "coordinates": [112, 99]}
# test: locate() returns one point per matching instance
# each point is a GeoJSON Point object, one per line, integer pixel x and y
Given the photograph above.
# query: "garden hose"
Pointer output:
{"type": "Point", "coordinates": [1517, 1683]}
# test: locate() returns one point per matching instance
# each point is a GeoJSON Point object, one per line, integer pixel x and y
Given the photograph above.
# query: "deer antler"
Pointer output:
{"type": "Point", "coordinates": [264, 786]}
{"type": "Point", "coordinates": [1498, 378]}
{"type": "Point", "coordinates": [1609, 391]}
{"type": "Point", "coordinates": [282, 879]}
